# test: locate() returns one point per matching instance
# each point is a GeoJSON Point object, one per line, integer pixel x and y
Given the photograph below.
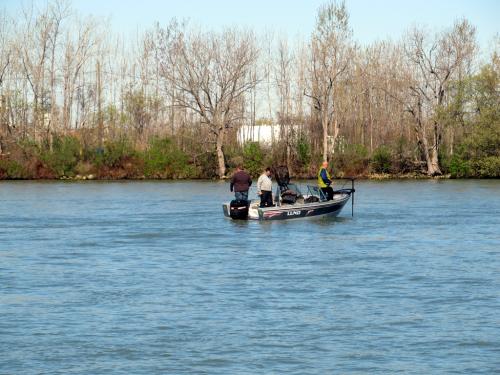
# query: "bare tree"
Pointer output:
{"type": "Point", "coordinates": [6, 47]}
{"type": "Point", "coordinates": [6, 57]}
{"type": "Point", "coordinates": [283, 80]}
{"type": "Point", "coordinates": [433, 66]}
{"type": "Point", "coordinates": [34, 51]}
{"type": "Point", "coordinates": [211, 72]}
{"type": "Point", "coordinates": [330, 51]}
{"type": "Point", "coordinates": [300, 83]}
{"type": "Point", "coordinates": [58, 11]}
{"type": "Point", "coordinates": [80, 42]}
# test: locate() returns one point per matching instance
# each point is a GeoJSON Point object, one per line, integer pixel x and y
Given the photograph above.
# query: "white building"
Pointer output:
{"type": "Point", "coordinates": [264, 134]}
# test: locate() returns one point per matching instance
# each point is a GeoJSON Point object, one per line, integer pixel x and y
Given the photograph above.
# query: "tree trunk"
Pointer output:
{"type": "Point", "coordinates": [422, 141]}
{"type": "Point", "coordinates": [371, 125]}
{"type": "Point", "coordinates": [66, 103]}
{"type": "Point", "coordinates": [100, 125]}
{"type": "Point", "coordinates": [433, 163]}
{"type": "Point", "coordinates": [324, 124]}
{"type": "Point", "coordinates": [433, 169]}
{"type": "Point", "coordinates": [35, 118]}
{"type": "Point", "coordinates": [220, 153]}
{"type": "Point", "coordinates": [431, 157]}
{"type": "Point", "coordinates": [288, 149]}
{"type": "Point", "coordinates": [3, 121]}
{"type": "Point", "coordinates": [172, 114]}
{"type": "Point", "coordinates": [452, 139]}
{"type": "Point", "coordinates": [335, 133]}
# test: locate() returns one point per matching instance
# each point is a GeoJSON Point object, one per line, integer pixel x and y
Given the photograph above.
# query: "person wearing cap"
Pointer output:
{"type": "Point", "coordinates": [324, 181]}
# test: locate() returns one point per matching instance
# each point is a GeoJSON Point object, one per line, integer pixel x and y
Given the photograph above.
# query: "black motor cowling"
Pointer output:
{"type": "Point", "coordinates": [238, 209]}
{"type": "Point", "coordinates": [288, 196]}
{"type": "Point", "coordinates": [282, 176]}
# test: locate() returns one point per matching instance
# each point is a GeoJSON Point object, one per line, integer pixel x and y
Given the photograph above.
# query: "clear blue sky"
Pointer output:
{"type": "Point", "coordinates": [370, 20]}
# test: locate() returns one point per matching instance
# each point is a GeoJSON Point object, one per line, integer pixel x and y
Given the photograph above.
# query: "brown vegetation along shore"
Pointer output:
{"type": "Point", "coordinates": [164, 159]}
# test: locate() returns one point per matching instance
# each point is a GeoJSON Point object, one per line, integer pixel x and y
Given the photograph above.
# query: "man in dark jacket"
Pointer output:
{"type": "Point", "coordinates": [240, 182]}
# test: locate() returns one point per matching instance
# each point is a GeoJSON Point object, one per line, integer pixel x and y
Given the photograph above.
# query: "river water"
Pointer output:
{"type": "Point", "coordinates": [150, 278]}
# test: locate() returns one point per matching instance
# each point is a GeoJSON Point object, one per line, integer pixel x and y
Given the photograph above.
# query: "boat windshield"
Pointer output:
{"type": "Point", "coordinates": [288, 193]}
{"type": "Point", "coordinates": [294, 188]}
{"type": "Point", "coordinates": [316, 192]}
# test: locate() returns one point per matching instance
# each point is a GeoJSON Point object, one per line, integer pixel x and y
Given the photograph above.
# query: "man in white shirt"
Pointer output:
{"type": "Point", "coordinates": [265, 189]}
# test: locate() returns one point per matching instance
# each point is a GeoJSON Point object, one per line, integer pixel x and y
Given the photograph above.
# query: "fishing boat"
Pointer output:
{"type": "Point", "coordinates": [290, 203]}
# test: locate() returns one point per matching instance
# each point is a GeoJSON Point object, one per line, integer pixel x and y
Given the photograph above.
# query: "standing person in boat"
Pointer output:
{"type": "Point", "coordinates": [324, 181]}
{"type": "Point", "coordinates": [265, 189]}
{"type": "Point", "coordinates": [240, 182]}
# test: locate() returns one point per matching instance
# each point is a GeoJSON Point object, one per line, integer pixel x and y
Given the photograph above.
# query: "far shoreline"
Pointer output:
{"type": "Point", "coordinates": [370, 177]}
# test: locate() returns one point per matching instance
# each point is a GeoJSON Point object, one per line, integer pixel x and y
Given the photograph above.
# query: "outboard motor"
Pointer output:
{"type": "Point", "coordinates": [238, 209]}
{"type": "Point", "coordinates": [282, 176]}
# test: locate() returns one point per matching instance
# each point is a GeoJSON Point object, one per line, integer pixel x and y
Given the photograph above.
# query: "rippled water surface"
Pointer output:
{"type": "Point", "coordinates": [150, 278]}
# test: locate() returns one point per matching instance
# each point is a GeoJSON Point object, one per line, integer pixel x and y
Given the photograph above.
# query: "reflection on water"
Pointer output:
{"type": "Point", "coordinates": [149, 277]}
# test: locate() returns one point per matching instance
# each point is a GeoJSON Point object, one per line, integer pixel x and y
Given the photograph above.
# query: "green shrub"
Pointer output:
{"type": "Point", "coordinates": [84, 168]}
{"type": "Point", "coordinates": [303, 151]}
{"type": "Point", "coordinates": [163, 159]}
{"type": "Point", "coordinates": [207, 165]}
{"type": "Point", "coordinates": [382, 160]}
{"type": "Point", "coordinates": [403, 157]}
{"type": "Point", "coordinates": [29, 148]}
{"type": "Point", "coordinates": [458, 167]}
{"type": "Point", "coordinates": [113, 154]}
{"type": "Point", "coordinates": [352, 161]}
{"type": "Point", "coordinates": [63, 157]}
{"type": "Point", "coordinates": [487, 167]}
{"type": "Point", "coordinates": [253, 158]}
{"type": "Point", "coordinates": [11, 169]}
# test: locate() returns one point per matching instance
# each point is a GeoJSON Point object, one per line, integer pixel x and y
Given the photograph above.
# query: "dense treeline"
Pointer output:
{"type": "Point", "coordinates": [76, 100]}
